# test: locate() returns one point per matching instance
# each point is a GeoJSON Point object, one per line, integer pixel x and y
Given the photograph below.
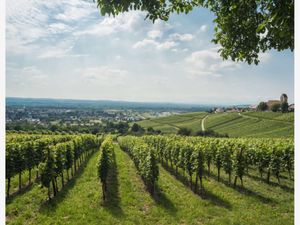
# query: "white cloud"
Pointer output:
{"type": "Point", "coordinates": [208, 62]}
{"type": "Point", "coordinates": [59, 50]}
{"type": "Point", "coordinates": [162, 25]}
{"type": "Point", "coordinates": [27, 21]}
{"type": "Point", "coordinates": [109, 25]}
{"type": "Point", "coordinates": [57, 28]}
{"type": "Point", "coordinates": [74, 13]}
{"type": "Point", "coordinates": [203, 28]}
{"type": "Point", "coordinates": [181, 37]}
{"type": "Point", "coordinates": [264, 57]}
{"type": "Point", "coordinates": [29, 75]}
{"type": "Point", "coordinates": [118, 57]}
{"type": "Point", "coordinates": [155, 34]}
{"type": "Point", "coordinates": [103, 74]}
{"type": "Point", "coordinates": [33, 73]}
{"type": "Point", "coordinates": [24, 26]}
{"type": "Point", "coordinates": [146, 43]}
{"type": "Point", "coordinates": [166, 45]}
{"type": "Point", "coordinates": [54, 52]}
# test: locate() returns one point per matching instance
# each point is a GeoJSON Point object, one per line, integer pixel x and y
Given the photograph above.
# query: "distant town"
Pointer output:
{"type": "Point", "coordinates": [55, 117]}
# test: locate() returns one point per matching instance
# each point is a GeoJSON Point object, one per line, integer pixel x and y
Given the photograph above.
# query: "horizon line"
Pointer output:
{"type": "Point", "coordinates": [133, 101]}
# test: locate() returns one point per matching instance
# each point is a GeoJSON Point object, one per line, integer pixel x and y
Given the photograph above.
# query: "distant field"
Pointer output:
{"type": "Point", "coordinates": [172, 124]}
{"type": "Point", "coordinates": [248, 124]}
{"type": "Point", "coordinates": [287, 117]}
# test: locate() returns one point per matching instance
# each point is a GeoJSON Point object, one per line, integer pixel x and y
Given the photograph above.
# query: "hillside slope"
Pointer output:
{"type": "Point", "coordinates": [172, 124]}
{"type": "Point", "coordinates": [248, 124]}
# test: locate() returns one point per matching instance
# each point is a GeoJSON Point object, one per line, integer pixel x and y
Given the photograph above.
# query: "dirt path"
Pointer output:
{"type": "Point", "coordinates": [202, 123]}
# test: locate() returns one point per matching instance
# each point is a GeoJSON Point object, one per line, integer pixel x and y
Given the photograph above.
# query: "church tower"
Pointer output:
{"type": "Point", "coordinates": [283, 98]}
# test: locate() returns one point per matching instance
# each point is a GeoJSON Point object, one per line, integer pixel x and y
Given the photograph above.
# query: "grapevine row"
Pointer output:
{"type": "Point", "coordinates": [105, 162]}
{"type": "Point", "coordinates": [50, 155]}
{"type": "Point", "coordinates": [23, 137]}
{"type": "Point", "coordinates": [192, 155]}
{"type": "Point", "coordinates": [144, 159]}
{"type": "Point", "coordinates": [234, 156]}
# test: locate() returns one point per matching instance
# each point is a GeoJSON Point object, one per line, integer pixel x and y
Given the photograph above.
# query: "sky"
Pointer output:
{"type": "Point", "coordinates": [66, 49]}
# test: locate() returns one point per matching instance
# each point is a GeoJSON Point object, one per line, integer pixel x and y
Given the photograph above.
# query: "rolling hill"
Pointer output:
{"type": "Point", "coordinates": [247, 124]}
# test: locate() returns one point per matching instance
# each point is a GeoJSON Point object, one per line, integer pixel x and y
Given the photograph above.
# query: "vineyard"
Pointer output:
{"type": "Point", "coordinates": [143, 158]}
{"type": "Point", "coordinates": [49, 156]}
{"type": "Point", "coordinates": [195, 156]}
{"type": "Point", "coordinates": [88, 179]}
{"type": "Point", "coordinates": [248, 124]}
{"type": "Point", "coordinates": [171, 124]}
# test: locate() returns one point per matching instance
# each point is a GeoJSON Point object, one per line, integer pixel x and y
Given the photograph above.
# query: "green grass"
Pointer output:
{"type": "Point", "coordinates": [129, 203]}
{"type": "Point", "coordinates": [248, 124]}
{"type": "Point", "coordinates": [14, 182]}
{"type": "Point", "coordinates": [166, 128]}
{"type": "Point", "coordinates": [171, 124]}
{"type": "Point", "coordinates": [221, 119]}
{"type": "Point", "coordinates": [284, 117]}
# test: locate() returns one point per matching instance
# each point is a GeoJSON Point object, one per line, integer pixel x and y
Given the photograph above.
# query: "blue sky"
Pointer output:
{"type": "Point", "coordinates": [65, 49]}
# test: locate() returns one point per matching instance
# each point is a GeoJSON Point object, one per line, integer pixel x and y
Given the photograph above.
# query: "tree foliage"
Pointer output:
{"type": "Point", "coordinates": [275, 107]}
{"type": "Point", "coordinates": [284, 107]}
{"type": "Point", "coordinates": [184, 131]}
{"type": "Point", "coordinates": [244, 29]}
{"type": "Point", "coordinates": [262, 106]}
{"type": "Point", "coordinates": [136, 128]}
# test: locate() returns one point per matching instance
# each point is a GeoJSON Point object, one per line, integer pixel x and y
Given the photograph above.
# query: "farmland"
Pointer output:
{"type": "Point", "coordinates": [129, 201]}
{"type": "Point", "coordinates": [172, 124]}
{"type": "Point", "coordinates": [248, 124]}
{"type": "Point", "coordinates": [149, 112]}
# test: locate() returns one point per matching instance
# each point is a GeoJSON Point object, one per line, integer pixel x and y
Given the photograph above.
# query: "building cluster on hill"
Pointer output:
{"type": "Point", "coordinates": [280, 105]}
{"type": "Point", "coordinates": [275, 105]}
{"type": "Point", "coordinates": [228, 109]}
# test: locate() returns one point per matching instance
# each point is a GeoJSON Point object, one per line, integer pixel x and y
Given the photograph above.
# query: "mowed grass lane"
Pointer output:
{"type": "Point", "coordinates": [129, 202]}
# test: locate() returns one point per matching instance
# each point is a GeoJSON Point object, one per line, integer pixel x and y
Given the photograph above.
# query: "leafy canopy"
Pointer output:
{"type": "Point", "coordinates": [262, 106]}
{"type": "Point", "coordinates": [242, 28]}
